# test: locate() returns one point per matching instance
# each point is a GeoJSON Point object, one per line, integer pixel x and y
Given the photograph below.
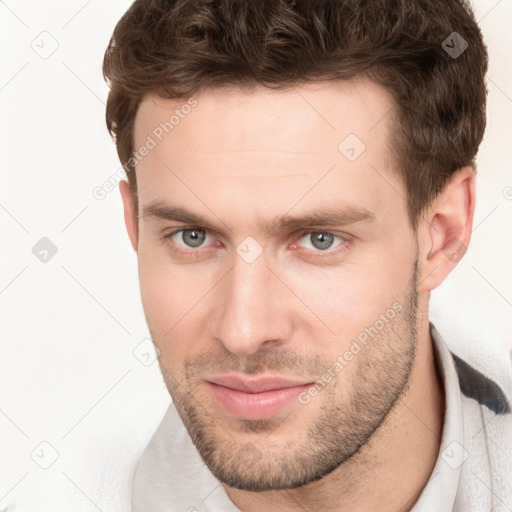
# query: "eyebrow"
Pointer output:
{"type": "Point", "coordinates": [321, 216]}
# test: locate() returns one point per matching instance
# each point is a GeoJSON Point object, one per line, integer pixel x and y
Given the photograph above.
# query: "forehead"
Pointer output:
{"type": "Point", "coordinates": [245, 152]}
{"type": "Point", "coordinates": [263, 119]}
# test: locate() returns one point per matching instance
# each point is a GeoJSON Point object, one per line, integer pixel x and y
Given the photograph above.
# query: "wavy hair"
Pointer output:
{"type": "Point", "coordinates": [173, 48]}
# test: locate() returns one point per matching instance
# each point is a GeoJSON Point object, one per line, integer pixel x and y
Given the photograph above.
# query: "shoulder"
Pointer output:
{"type": "Point", "coordinates": [486, 462]}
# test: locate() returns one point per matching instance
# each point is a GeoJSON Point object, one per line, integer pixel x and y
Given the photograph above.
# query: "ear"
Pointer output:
{"type": "Point", "coordinates": [444, 231]}
{"type": "Point", "coordinates": [130, 215]}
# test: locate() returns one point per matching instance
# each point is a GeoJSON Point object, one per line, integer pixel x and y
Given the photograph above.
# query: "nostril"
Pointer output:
{"type": "Point", "coordinates": [270, 343]}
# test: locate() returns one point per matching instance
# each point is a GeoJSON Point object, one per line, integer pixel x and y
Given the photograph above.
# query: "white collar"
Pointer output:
{"type": "Point", "coordinates": [441, 489]}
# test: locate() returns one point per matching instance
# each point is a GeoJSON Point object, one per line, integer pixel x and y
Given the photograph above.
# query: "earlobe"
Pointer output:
{"type": "Point", "coordinates": [446, 229]}
{"type": "Point", "coordinates": [130, 215]}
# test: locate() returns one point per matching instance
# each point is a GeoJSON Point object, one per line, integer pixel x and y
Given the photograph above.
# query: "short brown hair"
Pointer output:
{"type": "Point", "coordinates": [173, 48]}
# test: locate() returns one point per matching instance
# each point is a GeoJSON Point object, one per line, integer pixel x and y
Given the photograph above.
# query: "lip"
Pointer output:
{"type": "Point", "coordinates": [254, 398]}
{"type": "Point", "coordinates": [255, 384]}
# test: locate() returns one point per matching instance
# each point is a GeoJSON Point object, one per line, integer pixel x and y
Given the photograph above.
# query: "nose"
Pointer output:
{"type": "Point", "coordinates": [250, 308]}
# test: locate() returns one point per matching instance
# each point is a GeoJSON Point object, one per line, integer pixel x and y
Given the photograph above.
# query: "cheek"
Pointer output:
{"type": "Point", "coordinates": [163, 291]}
{"type": "Point", "coordinates": [171, 295]}
{"type": "Point", "coordinates": [344, 300]}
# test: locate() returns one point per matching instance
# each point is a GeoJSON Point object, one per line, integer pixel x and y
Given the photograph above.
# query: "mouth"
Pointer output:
{"type": "Point", "coordinates": [257, 398]}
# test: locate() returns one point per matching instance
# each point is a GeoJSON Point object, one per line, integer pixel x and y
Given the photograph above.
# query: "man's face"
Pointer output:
{"type": "Point", "coordinates": [277, 305]}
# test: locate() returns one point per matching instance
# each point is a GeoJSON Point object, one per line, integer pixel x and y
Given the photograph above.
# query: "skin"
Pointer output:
{"type": "Point", "coordinates": [370, 438]}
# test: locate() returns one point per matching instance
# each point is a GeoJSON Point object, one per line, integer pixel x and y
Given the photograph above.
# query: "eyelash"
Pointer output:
{"type": "Point", "coordinates": [341, 247]}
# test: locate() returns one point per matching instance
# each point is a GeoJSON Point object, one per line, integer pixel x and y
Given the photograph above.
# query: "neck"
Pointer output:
{"type": "Point", "coordinates": [391, 469]}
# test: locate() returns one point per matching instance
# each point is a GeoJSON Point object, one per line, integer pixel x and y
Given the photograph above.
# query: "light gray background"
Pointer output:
{"type": "Point", "coordinates": [71, 375]}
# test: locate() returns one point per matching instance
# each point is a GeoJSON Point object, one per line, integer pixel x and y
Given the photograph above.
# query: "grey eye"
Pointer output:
{"type": "Point", "coordinates": [193, 237]}
{"type": "Point", "coordinates": [321, 240]}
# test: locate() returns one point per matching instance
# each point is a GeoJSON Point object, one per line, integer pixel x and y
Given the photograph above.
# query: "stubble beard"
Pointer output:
{"type": "Point", "coordinates": [346, 421]}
